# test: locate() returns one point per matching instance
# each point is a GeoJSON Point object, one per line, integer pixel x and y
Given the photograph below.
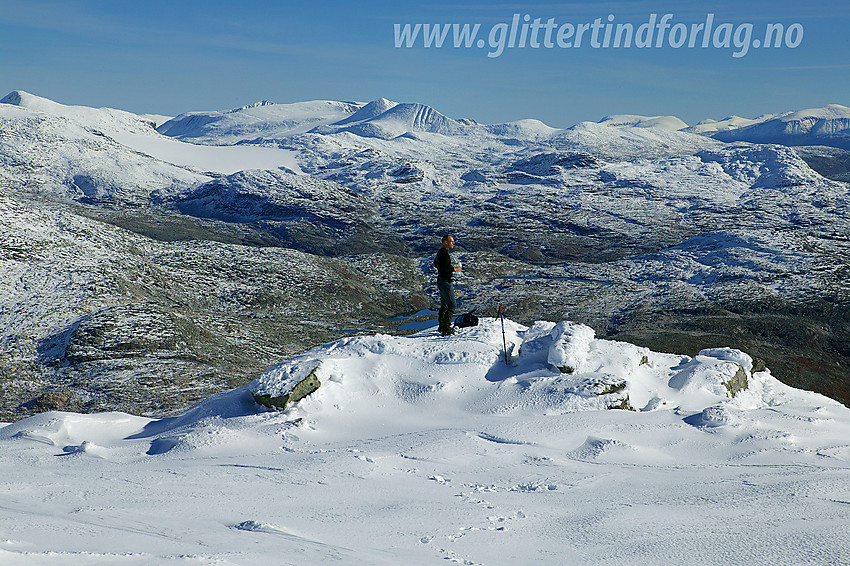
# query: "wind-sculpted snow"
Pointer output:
{"type": "Point", "coordinates": [441, 451]}
{"type": "Point", "coordinates": [555, 368]}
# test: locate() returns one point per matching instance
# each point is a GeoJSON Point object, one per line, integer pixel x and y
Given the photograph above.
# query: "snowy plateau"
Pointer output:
{"type": "Point", "coordinates": [669, 384]}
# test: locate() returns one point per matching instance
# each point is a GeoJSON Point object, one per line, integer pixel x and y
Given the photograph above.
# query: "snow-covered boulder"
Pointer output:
{"type": "Point", "coordinates": [564, 345]}
{"type": "Point", "coordinates": [570, 346]}
{"type": "Point", "coordinates": [713, 417]}
{"type": "Point", "coordinates": [714, 373]}
{"type": "Point", "coordinates": [285, 383]}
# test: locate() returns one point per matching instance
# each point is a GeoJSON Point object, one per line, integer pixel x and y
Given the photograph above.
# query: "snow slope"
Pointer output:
{"type": "Point", "coordinates": [106, 120]}
{"type": "Point", "coordinates": [56, 155]}
{"type": "Point", "coordinates": [132, 133]}
{"type": "Point", "coordinates": [418, 449]}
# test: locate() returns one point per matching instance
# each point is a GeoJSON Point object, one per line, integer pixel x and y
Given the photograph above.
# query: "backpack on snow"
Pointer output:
{"type": "Point", "coordinates": [467, 319]}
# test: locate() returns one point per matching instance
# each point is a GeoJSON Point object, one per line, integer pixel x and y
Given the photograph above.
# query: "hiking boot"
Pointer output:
{"type": "Point", "coordinates": [447, 329]}
{"type": "Point", "coordinates": [440, 316]}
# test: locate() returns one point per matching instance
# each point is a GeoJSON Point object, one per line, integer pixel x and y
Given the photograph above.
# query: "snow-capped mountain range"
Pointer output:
{"type": "Point", "coordinates": [827, 126]}
{"type": "Point", "coordinates": [386, 119]}
{"type": "Point", "coordinates": [640, 228]}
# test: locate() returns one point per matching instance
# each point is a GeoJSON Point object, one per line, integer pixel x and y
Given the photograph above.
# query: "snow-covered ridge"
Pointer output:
{"type": "Point", "coordinates": [829, 125]}
{"type": "Point", "coordinates": [264, 120]}
{"type": "Point", "coordinates": [710, 127]}
{"type": "Point", "coordinates": [369, 111]}
{"type": "Point", "coordinates": [380, 119]}
{"type": "Point", "coordinates": [106, 120]}
{"type": "Point", "coordinates": [106, 163]}
{"type": "Point", "coordinates": [385, 119]}
{"type": "Point", "coordinates": [665, 122]}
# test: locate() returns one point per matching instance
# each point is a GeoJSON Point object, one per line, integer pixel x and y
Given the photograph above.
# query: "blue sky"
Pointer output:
{"type": "Point", "coordinates": [169, 57]}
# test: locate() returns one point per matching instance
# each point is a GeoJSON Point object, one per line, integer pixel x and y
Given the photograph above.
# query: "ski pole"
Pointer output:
{"type": "Point", "coordinates": [504, 343]}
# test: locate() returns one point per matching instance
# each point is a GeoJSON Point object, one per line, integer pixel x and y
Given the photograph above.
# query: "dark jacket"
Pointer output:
{"type": "Point", "coordinates": [443, 263]}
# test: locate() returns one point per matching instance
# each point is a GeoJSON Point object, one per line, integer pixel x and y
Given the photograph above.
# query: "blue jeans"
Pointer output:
{"type": "Point", "coordinates": [447, 294]}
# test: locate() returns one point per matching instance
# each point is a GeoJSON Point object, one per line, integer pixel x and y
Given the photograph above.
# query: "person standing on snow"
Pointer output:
{"type": "Point", "coordinates": [446, 266]}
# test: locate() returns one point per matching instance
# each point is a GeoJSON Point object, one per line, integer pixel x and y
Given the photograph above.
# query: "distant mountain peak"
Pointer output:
{"type": "Point", "coordinates": [371, 110]}
{"type": "Point", "coordinates": [15, 97]}
{"type": "Point", "coordinates": [26, 100]}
